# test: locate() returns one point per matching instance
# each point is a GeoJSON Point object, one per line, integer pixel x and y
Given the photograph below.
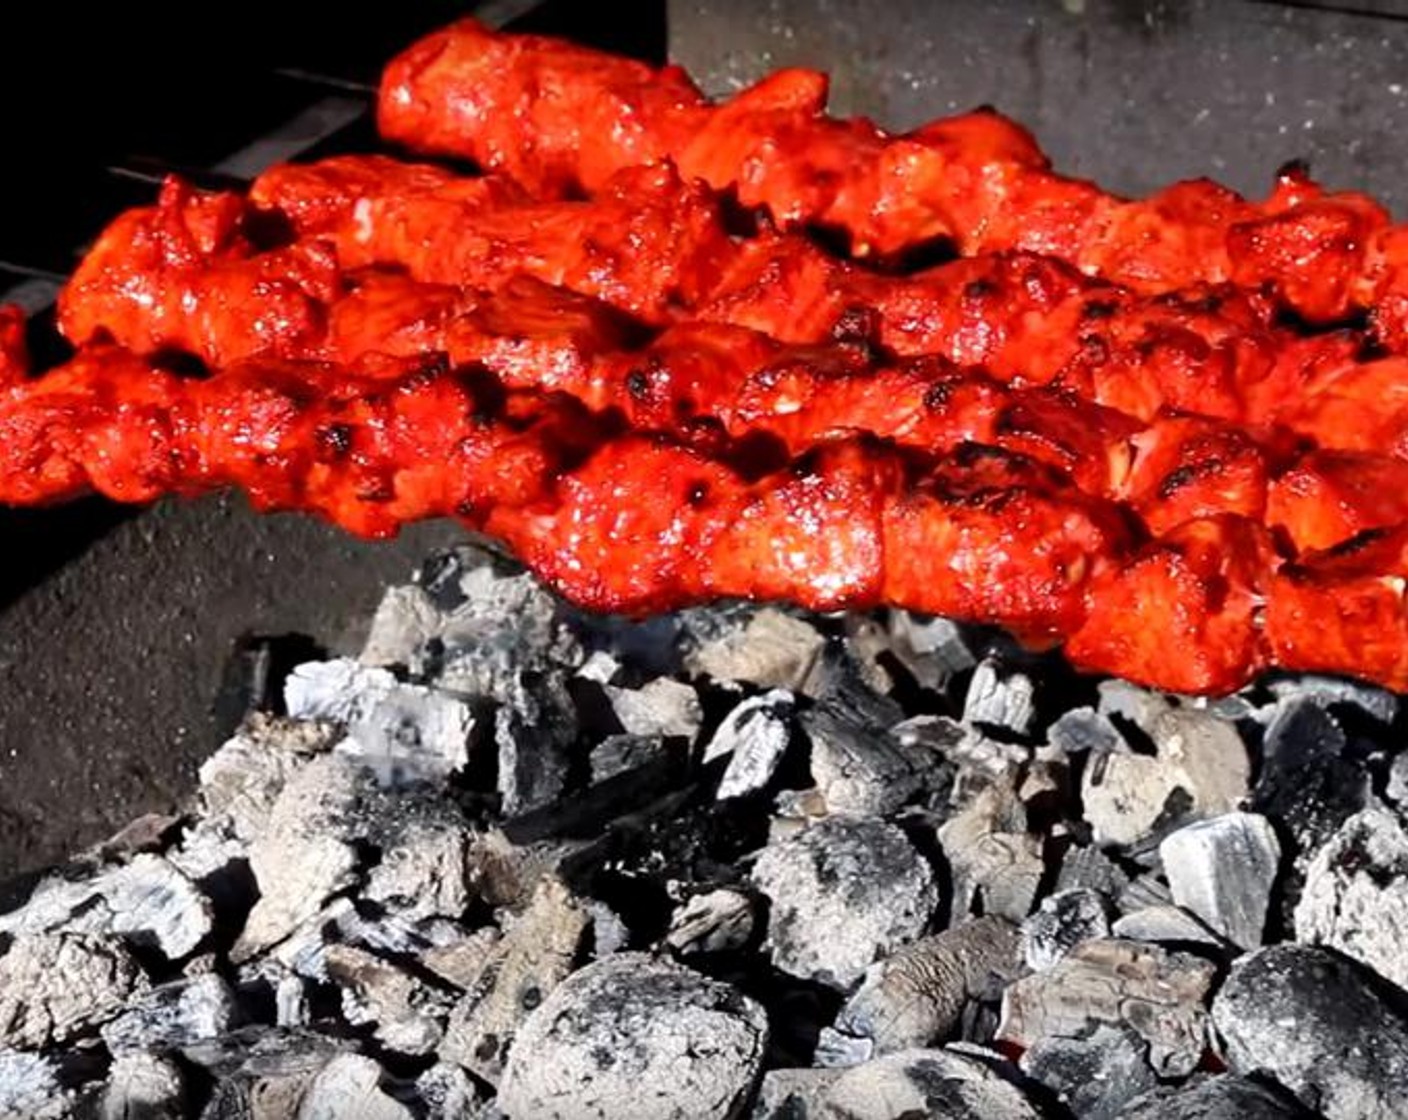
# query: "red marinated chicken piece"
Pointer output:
{"type": "Point", "coordinates": [563, 118]}
{"type": "Point", "coordinates": [14, 351]}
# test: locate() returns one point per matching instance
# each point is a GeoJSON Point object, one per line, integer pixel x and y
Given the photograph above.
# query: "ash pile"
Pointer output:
{"type": "Point", "coordinates": [515, 861]}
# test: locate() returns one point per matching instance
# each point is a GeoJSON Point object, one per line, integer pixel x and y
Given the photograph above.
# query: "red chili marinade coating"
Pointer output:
{"type": "Point", "coordinates": [562, 119]}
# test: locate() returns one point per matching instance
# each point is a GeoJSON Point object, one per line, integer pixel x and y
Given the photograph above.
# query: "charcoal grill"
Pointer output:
{"type": "Point", "coordinates": [118, 627]}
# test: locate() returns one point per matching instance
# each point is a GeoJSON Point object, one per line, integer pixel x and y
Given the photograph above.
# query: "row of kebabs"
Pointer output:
{"type": "Point", "coordinates": [652, 410]}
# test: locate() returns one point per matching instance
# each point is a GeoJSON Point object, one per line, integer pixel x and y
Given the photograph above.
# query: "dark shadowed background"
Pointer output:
{"type": "Point", "coordinates": [117, 627]}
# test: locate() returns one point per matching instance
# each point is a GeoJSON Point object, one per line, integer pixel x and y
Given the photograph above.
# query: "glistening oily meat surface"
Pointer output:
{"type": "Point", "coordinates": [520, 104]}
{"type": "Point", "coordinates": [1098, 427]}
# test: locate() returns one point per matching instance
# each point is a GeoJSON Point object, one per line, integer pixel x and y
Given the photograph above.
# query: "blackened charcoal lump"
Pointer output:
{"type": "Point", "coordinates": [843, 893]}
{"type": "Point", "coordinates": [1320, 1025]}
{"type": "Point", "coordinates": [630, 1037]}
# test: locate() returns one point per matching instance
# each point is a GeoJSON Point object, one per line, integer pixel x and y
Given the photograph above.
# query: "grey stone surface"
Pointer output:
{"type": "Point", "coordinates": [1157, 993]}
{"type": "Point", "coordinates": [631, 1038]}
{"type": "Point", "coordinates": [843, 893]}
{"type": "Point", "coordinates": [1062, 922]}
{"type": "Point", "coordinates": [176, 586]}
{"type": "Point", "coordinates": [1104, 84]}
{"type": "Point", "coordinates": [925, 1083]}
{"type": "Point", "coordinates": [1356, 894]}
{"type": "Point", "coordinates": [1313, 1021]}
{"type": "Point", "coordinates": [1223, 870]}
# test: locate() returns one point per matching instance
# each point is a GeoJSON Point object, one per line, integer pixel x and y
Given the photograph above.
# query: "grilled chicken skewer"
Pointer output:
{"type": "Point", "coordinates": [534, 336]}
{"type": "Point", "coordinates": [186, 275]}
{"type": "Point", "coordinates": [562, 119]}
{"type": "Point", "coordinates": [981, 534]}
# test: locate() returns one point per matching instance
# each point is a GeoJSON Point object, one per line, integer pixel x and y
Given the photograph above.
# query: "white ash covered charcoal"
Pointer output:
{"type": "Point", "coordinates": [172, 1015]}
{"type": "Point", "coordinates": [535, 954]}
{"type": "Point", "coordinates": [405, 1013]}
{"type": "Point", "coordinates": [766, 647]}
{"type": "Point", "coordinates": [793, 1094]}
{"type": "Point", "coordinates": [1223, 870]}
{"type": "Point", "coordinates": [1199, 768]}
{"type": "Point", "coordinates": [1063, 921]}
{"type": "Point", "coordinates": [1227, 1097]}
{"type": "Point", "coordinates": [662, 706]}
{"type": "Point", "coordinates": [916, 995]}
{"type": "Point", "coordinates": [860, 768]}
{"type": "Point", "coordinates": [995, 863]}
{"type": "Point", "coordinates": [307, 852]}
{"type": "Point", "coordinates": [1356, 894]}
{"type": "Point", "coordinates": [532, 739]}
{"type": "Point", "coordinates": [351, 1085]}
{"type": "Point", "coordinates": [446, 1092]}
{"type": "Point", "coordinates": [1131, 706]}
{"type": "Point", "coordinates": [754, 737]}
{"type": "Point", "coordinates": [633, 1038]}
{"type": "Point", "coordinates": [934, 650]}
{"type": "Point", "coordinates": [260, 1071]}
{"type": "Point", "coordinates": [712, 922]}
{"type": "Point", "coordinates": [1085, 731]}
{"type": "Point", "coordinates": [1340, 695]}
{"type": "Point", "coordinates": [1321, 1026]}
{"type": "Point", "coordinates": [1160, 994]}
{"type": "Point", "coordinates": [1084, 866]}
{"type": "Point", "coordinates": [1000, 698]}
{"type": "Point", "coordinates": [37, 1087]}
{"type": "Point", "coordinates": [142, 1086]}
{"type": "Point", "coordinates": [974, 759]}
{"type": "Point", "coordinates": [474, 625]}
{"type": "Point", "coordinates": [620, 754]}
{"type": "Point", "coordinates": [1168, 925]}
{"type": "Point", "coordinates": [55, 987]}
{"type": "Point", "coordinates": [1309, 784]}
{"type": "Point", "coordinates": [1095, 1074]}
{"type": "Point", "coordinates": [407, 733]}
{"type": "Point", "coordinates": [148, 900]}
{"type": "Point", "coordinates": [927, 1083]}
{"type": "Point", "coordinates": [843, 893]}
{"type": "Point", "coordinates": [423, 874]}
